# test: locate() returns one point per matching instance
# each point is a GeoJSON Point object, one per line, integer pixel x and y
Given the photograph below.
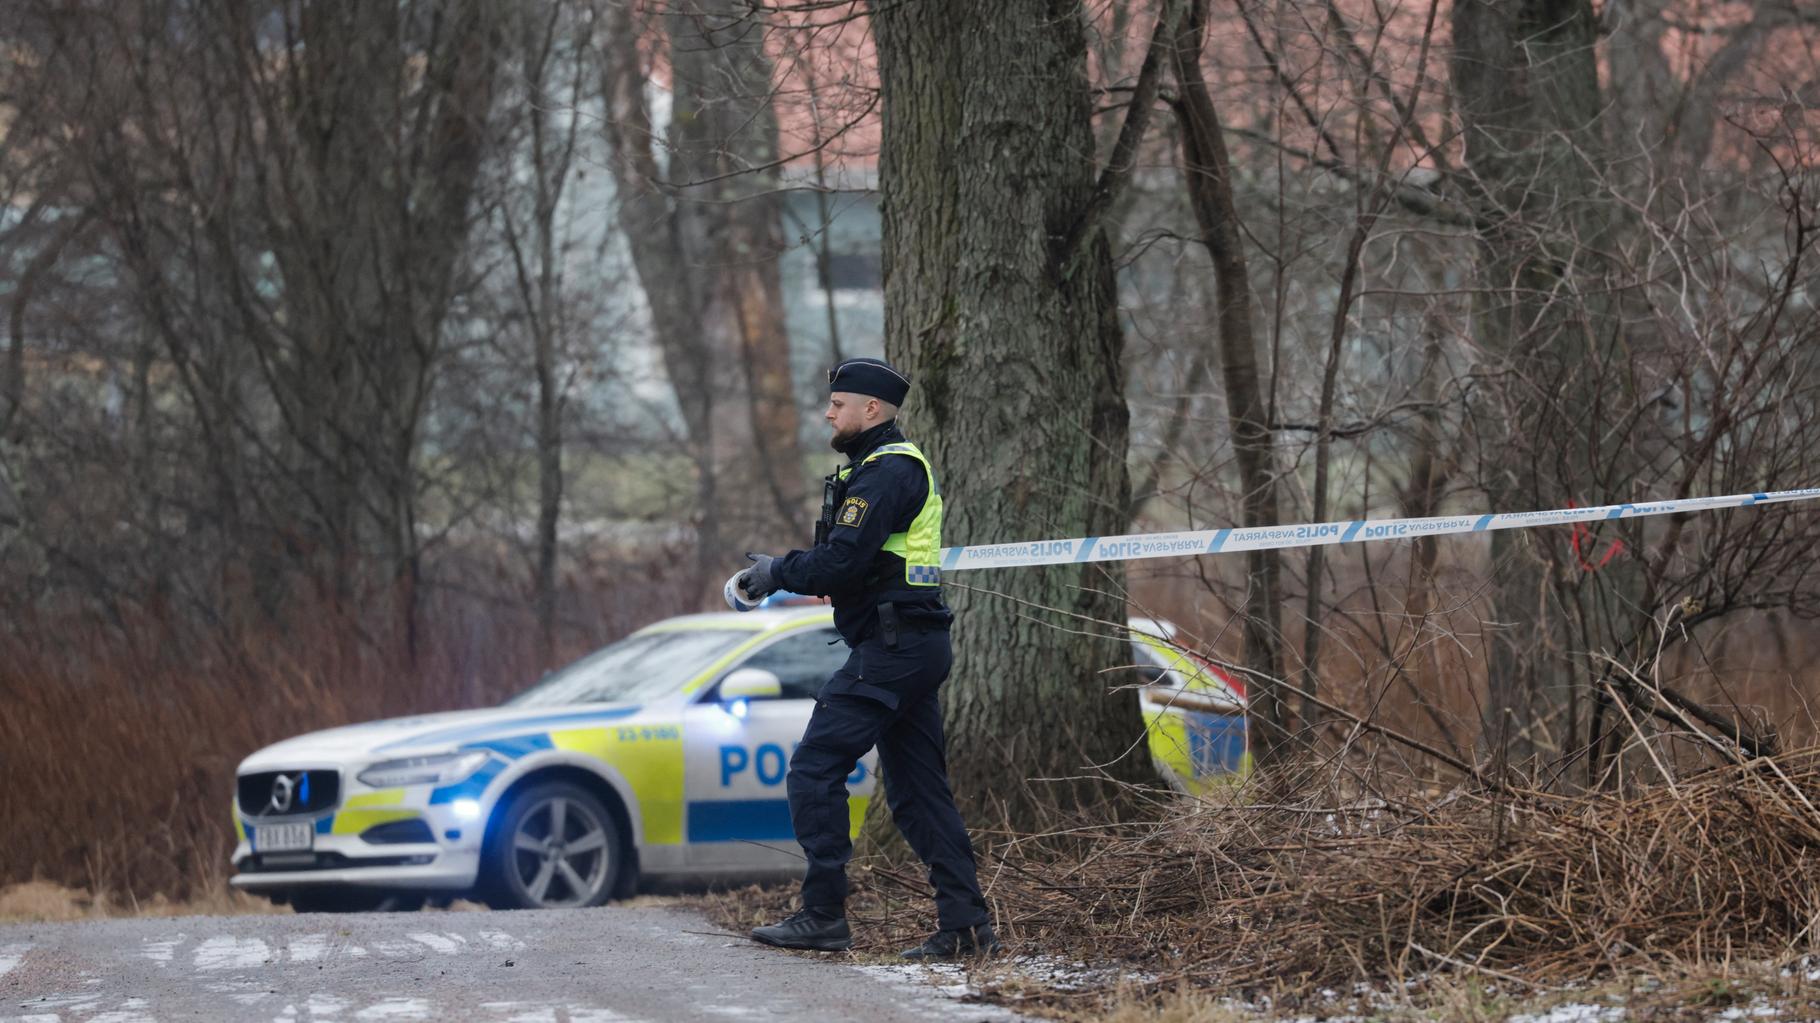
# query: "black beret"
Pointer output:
{"type": "Point", "coordinates": [874, 377]}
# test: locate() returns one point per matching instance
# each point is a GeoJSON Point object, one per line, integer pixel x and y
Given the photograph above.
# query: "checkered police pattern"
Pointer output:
{"type": "Point", "coordinates": [923, 575]}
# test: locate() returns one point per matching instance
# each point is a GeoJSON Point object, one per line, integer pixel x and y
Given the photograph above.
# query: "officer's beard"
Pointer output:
{"type": "Point", "coordinates": [842, 438]}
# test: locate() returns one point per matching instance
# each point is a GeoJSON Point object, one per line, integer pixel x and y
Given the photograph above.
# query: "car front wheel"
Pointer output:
{"type": "Point", "coordinates": [555, 847]}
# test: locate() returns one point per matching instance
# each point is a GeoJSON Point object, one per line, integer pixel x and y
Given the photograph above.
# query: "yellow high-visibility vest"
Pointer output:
{"type": "Point", "coordinates": [920, 545]}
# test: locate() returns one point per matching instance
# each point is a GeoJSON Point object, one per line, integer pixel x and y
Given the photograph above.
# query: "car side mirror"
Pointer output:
{"type": "Point", "coordinates": [750, 684]}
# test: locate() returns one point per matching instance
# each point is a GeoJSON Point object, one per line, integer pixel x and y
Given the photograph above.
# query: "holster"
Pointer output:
{"type": "Point", "coordinates": [888, 624]}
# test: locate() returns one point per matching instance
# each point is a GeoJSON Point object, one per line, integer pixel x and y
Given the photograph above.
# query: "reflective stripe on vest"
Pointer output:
{"type": "Point", "coordinates": [921, 545]}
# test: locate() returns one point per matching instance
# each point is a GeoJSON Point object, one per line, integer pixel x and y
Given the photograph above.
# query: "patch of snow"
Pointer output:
{"type": "Point", "coordinates": [10, 956]}
{"type": "Point", "coordinates": [1070, 975]}
{"type": "Point", "coordinates": [522, 1012]}
{"type": "Point", "coordinates": [1758, 1009]}
{"type": "Point", "coordinates": [396, 1008]}
{"type": "Point", "coordinates": [547, 1012]}
{"type": "Point", "coordinates": [232, 954]}
{"type": "Point", "coordinates": [447, 944]}
{"type": "Point", "coordinates": [74, 1003]}
{"type": "Point", "coordinates": [232, 986]}
{"type": "Point", "coordinates": [160, 950]}
{"type": "Point", "coordinates": [946, 979]}
{"type": "Point", "coordinates": [325, 1005]}
{"type": "Point", "coordinates": [307, 948]}
{"type": "Point", "coordinates": [1574, 1012]}
{"type": "Point", "coordinates": [121, 1016]}
{"type": "Point", "coordinates": [500, 941]}
{"type": "Point", "coordinates": [586, 1015]}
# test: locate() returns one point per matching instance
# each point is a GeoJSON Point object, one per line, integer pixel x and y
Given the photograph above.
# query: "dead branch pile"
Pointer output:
{"type": "Point", "coordinates": [1525, 884]}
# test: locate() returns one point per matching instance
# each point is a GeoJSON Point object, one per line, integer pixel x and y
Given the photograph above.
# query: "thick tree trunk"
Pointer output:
{"type": "Point", "coordinates": [1012, 337]}
{"type": "Point", "coordinates": [1209, 177]}
{"type": "Point", "coordinates": [1528, 94]}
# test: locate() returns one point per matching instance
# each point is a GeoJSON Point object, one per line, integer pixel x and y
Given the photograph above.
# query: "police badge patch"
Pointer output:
{"type": "Point", "coordinates": [852, 512]}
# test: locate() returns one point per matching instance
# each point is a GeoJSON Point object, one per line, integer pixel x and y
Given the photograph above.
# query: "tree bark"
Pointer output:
{"type": "Point", "coordinates": [1012, 338]}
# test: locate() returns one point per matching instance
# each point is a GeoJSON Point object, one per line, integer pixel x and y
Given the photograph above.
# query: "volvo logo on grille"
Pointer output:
{"type": "Point", "coordinates": [284, 792]}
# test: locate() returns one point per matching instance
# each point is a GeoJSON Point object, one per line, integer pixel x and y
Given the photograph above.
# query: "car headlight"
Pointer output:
{"type": "Point", "coordinates": [441, 769]}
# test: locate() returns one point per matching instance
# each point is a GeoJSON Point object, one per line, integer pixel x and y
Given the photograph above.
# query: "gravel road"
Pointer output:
{"type": "Point", "coordinates": [612, 964]}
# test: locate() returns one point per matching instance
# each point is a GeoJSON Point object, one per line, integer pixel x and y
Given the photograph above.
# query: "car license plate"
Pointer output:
{"type": "Point", "coordinates": [283, 837]}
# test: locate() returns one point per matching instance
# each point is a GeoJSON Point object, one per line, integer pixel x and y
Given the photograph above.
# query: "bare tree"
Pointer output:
{"type": "Point", "coordinates": [289, 229]}
{"type": "Point", "coordinates": [1208, 172]}
{"type": "Point", "coordinates": [704, 230]}
{"type": "Point", "coordinates": [552, 46]}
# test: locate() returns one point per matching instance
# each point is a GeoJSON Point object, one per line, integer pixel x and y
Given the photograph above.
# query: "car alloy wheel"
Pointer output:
{"type": "Point", "coordinates": [557, 848]}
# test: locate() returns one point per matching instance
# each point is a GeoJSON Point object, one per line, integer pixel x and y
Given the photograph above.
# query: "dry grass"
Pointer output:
{"type": "Point", "coordinates": [40, 901]}
{"type": "Point", "coordinates": [121, 757]}
{"type": "Point", "coordinates": [1464, 904]}
{"type": "Point", "coordinates": [1527, 887]}
{"type": "Point", "coordinates": [119, 739]}
{"type": "Point", "coordinates": [1747, 990]}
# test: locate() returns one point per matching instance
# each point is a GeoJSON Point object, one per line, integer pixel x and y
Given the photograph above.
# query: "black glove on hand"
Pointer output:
{"type": "Point", "coordinates": [758, 581]}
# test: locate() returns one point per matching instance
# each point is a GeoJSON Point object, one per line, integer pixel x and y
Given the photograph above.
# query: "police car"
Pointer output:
{"type": "Point", "coordinates": [660, 756]}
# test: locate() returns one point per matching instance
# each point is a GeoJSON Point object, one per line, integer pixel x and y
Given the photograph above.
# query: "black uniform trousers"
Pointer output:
{"type": "Point", "coordinates": [885, 698]}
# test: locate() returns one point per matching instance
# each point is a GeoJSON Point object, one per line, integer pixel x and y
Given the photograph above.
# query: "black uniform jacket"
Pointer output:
{"type": "Point", "coordinates": [892, 490]}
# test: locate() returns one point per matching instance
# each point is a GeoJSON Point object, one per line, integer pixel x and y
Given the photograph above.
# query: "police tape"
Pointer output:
{"type": "Point", "coordinates": [1139, 546]}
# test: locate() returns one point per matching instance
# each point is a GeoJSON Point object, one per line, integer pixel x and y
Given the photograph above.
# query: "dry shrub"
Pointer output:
{"type": "Point", "coordinates": [38, 901]}
{"type": "Point", "coordinates": [1262, 894]}
{"type": "Point", "coordinates": [119, 738]}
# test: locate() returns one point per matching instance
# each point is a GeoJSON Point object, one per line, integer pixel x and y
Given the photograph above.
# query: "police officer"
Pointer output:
{"type": "Point", "coordinates": [875, 553]}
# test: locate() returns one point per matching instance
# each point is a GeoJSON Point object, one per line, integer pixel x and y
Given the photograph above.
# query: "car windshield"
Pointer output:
{"type": "Point", "coordinates": [639, 667]}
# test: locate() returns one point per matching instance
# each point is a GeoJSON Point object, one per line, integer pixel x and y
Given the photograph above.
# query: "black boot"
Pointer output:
{"type": "Point", "coordinates": [974, 941]}
{"type": "Point", "coordinates": [807, 928]}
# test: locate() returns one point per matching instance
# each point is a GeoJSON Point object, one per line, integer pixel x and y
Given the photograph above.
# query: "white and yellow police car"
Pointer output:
{"type": "Point", "coordinates": [661, 756]}
{"type": "Point", "coordinates": [1194, 711]}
